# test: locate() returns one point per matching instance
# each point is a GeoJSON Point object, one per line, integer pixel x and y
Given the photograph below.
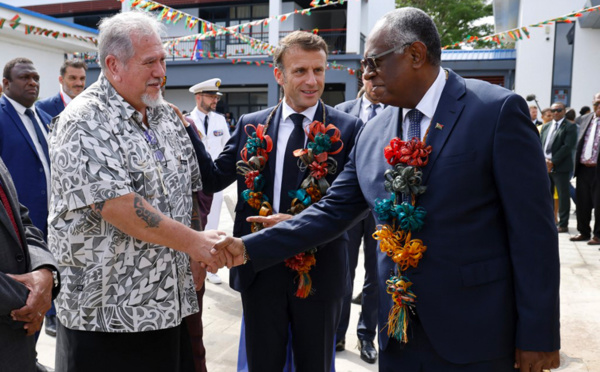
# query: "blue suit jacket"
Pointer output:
{"type": "Point", "coordinates": [52, 105]}
{"type": "Point", "coordinates": [330, 275]}
{"type": "Point", "coordinates": [22, 160]}
{"type": "Point", "coordinates": [489, 279]}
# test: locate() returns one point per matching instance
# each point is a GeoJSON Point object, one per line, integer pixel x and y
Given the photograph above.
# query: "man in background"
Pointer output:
{"type": "Point", "coordinates": [213, 130]}
{"type": "Point", "coordinates": [558, 141]}
{"type": "Point", "coordinates": [533, 112]}
{"type": "Point", "coordinates": [587, 177]}
{"type": "Point", "coordinates": [71, 83]}
{"type": "Point", "coordinates": [24, 146]}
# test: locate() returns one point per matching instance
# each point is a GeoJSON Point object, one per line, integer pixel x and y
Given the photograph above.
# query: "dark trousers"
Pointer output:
{"type": "Point", "coordinates": [153, 351]}
{"type": "Point", "coordinates": [271, 310]}
{"type": "Point", "coordinates": [561, 182]}
{"type": "Point", "coordinates": [418, 355]}
{"type": "Point", "coordinates": [588, 198]}
{"type": "Point", "coordinates": [195, 329]}
{"type": "Point", "coordinates": [367, 322]}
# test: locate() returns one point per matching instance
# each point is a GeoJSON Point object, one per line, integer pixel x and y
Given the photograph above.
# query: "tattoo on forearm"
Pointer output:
{"type": "Point", "coordinates": [152, 219]}
{"type": "Point", "coordinates": [98, 207]}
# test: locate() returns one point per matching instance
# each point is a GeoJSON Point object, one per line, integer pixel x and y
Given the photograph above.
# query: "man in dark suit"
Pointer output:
{"type": "Point", "coordinates": [23, 145]}
{"type": "Point", "coordinates": [273, 300]}
{"type": "Point", "coordinates": [27, 280]}
{"type": "Point", "coordinates": [558, 142]}
{"type": "Point", "coordinates": [484, 264]}
{"type": "Point", "coordinates": [365, 107]}
{"type": "Point", "coordinates": [586, 171]}
{"type": "Point", "coordinates": [72, 82]}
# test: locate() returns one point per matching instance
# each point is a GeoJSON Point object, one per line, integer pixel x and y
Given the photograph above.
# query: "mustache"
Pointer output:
{"type": "Point", "coordinates": [154, 82]}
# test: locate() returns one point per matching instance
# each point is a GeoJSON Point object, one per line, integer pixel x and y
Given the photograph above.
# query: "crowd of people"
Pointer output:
{"type": "Point", "coordinates": [111, 200]}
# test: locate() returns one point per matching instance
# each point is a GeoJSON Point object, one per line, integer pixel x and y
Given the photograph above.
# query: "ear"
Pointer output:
{"type": "Point", "coordinates": [278, 73]}
{"type": "Point", "coordinates": [114, 67]}
{"type": "Point", "coordinates": [5, 84]}
{"type": "Point", "coordinates": [417, 52]}
{"type": "Point", "coordinates": [60, 79]}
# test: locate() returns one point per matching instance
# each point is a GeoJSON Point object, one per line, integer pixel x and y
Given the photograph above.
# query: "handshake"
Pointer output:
{"type": "Point", "coordinates": [215, 249]}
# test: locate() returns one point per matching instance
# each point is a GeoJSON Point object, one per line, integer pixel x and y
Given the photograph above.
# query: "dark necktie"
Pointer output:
{"type": "Point", "coordinates": [373, 112]}
{"type": "Point", "coordinates": [38, 131]}
{"type": "Point", "coordinates": [289, 179]}
{"type": "Point", "coordinates": [206, 125]}
{"type": "Point", "coordinates": [414, 127]}
{"type": "Point", "coordinates": [9, 211]}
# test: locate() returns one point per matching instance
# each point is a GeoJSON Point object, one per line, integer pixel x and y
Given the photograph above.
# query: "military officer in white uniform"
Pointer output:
{"type": "Point", "coordinates": [214, 132]}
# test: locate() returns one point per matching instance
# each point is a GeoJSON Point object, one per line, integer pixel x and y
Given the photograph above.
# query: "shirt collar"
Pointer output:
{"type": "Point", "coordinates": [287, 111]}
{"type": "Point", "coordinates": [116, 100]}
{"type": "Point", "coordinates": [430, 100]}
{"type": "Point", "coordinates": [365, 103]}
{"type": "Point", "coordinates": [18, 107]}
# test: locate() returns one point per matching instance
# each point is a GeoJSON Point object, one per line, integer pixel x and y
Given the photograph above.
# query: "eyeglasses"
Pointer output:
{"type": "Point", "coordinates": [556, 110]}
{"type": "Point", "coordinates": [370, 62]}
{"type": "Point", "coordinates": [214, 97]}
{"type": "Point", "coordinates": [152, 140]}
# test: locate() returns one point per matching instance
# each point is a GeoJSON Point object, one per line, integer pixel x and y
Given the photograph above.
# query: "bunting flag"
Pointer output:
{"type": "Point", "coordinates": [515, 33]}
{"type": "Point", "coordinates": [15, 22]}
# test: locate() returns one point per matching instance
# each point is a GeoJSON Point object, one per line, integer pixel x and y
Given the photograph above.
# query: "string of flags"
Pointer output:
{"type": "Point", "coordinates": [15, 22]}
{"type": "Point", "coordinates": [516, 34]}
{"type": "Point", "coordinates": [208, 30]}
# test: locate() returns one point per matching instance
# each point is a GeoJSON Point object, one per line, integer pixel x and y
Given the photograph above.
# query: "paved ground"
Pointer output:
{"type": "Point", "coordinates": [580, 314]}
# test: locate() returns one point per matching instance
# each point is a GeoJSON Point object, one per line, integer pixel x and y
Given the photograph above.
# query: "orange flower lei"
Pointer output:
{"type": "Point", "coordinates": [395, 237]}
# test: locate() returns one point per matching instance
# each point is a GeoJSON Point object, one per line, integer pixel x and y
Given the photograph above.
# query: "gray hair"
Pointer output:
{"type": "Point", "coordinates": [117, 33]}
{"type": "Point", "coordinates": [407, 25]}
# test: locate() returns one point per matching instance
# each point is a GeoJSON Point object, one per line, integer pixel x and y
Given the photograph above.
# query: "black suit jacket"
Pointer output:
{"type": "Point", "coordinates": [586, 120]}
{"type": "Point", "coordinates": [562, 146]}
{"type": "Point", "coordinates": [489, 280]}
{"type": "Point", "coordinates": [330, 274]}
{"type": "Point", "coordinates": [17, 351]}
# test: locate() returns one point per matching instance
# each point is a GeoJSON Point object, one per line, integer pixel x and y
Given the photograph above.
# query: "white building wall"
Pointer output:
{"type": "Point", "coordinates": [535, 55]}
{"type": "Point", "coordinates": [47, 61]}
{"type": "Point", "coordinates": [586, 80]}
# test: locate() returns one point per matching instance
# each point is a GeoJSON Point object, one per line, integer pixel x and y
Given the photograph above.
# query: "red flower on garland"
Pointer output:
{"type": "Point", "coordinates": [414, 152]}
{"type": "Point", "coordinates": [250, 176]}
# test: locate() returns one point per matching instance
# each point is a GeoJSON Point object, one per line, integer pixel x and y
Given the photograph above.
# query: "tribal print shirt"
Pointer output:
{"type": "Point", "coordinates": [112, 282]}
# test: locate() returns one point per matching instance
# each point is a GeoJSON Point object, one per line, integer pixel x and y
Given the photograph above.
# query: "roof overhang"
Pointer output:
{"type": "Point", "coordinates": [71, 38]}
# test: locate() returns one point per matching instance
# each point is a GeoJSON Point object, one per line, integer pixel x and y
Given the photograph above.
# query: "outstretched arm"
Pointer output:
{"type": "Point", "coordinates": [134, 216]}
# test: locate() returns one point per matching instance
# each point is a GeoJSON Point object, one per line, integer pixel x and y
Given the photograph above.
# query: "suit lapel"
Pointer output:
{"type": "Point", "coordinates": [272, 131]}
{"type": "Point", "coordinates": [16, 120]}
{"type": "Point", "coordinates": [444, 119]}
{"type": "Point", "coordinates": [318, 117]}
{"type": "Point", "coordinates": [356, 108]}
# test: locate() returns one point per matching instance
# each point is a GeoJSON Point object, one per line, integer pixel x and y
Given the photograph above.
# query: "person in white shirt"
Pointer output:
{"type": "Point", "coordinates": [213, 130]}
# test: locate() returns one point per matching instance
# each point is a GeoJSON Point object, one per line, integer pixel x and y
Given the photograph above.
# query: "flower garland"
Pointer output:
{"type": "Point", "coordinates": [401, 218]}
{"type": "Point", "coordinates": [315, 158]}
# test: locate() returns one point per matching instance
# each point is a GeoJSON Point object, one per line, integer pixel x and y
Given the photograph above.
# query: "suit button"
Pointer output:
{"type": "Point", "coordinates": [20, 257]}
{"type": "Point", "coordinates": [43, 192]}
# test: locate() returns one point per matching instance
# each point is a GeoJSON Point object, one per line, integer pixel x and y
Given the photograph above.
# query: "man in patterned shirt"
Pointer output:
{"type": "Point", "coordinates": [123, 173]}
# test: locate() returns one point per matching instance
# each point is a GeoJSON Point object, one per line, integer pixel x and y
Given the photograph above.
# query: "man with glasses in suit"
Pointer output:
{"type": "Point", "coordinates": [558, 141]}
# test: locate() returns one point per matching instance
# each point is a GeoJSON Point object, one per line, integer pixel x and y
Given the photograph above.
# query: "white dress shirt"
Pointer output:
{"type": "Point", "coordinates": [427, 105]}
{"type": "Point", "coordinates": [286, 126]}
{"type": "Point", "coordinates": [365, 109]}
{"type": "Point", "coordinates": [553, 126]}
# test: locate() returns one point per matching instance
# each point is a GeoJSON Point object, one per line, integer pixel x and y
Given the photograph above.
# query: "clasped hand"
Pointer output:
{"type": "Point", "coordinates": [39, 300]}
